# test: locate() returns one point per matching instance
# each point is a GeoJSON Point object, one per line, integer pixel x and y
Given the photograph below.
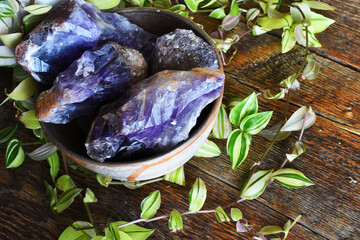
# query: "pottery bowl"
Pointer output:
{"type": "Point", "coordinates": [69, 139]}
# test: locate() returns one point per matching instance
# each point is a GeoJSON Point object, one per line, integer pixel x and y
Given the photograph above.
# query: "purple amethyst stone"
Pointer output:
{"type": "Point", "coordinates": [72, 28]}
{"type": "Point", "coordinates": [99, 76]}
{"type": "Point", "coordinates": [182, 50]}
{"type": "Point", "coordinates": [159, 114]}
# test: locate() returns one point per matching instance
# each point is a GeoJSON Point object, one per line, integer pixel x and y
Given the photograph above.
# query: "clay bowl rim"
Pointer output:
{"type": "Point", "coordinates": [200, 127]}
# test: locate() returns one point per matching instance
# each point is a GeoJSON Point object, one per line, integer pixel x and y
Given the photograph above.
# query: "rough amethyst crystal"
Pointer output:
{"type": "Point", "coordinates": [182, 50]}
{"type": "Point", "coordinates": [159, 114]}
{"type": "Point", "coordinates": [99, 76]}
{"type": "Point", "coordinates": [72, 28]}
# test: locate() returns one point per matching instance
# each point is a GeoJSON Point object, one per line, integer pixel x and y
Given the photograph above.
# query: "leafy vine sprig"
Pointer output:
{"type": "Point", "coordinates": [299, 25]}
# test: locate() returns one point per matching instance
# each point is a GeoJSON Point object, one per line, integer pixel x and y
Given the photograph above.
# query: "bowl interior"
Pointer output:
{"type": "Point", "coordinates": [70, 138]}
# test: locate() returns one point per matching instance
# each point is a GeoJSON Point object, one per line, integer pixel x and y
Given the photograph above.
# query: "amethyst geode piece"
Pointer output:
{"type": "Point", "coordinates": [182, 50]}
{"type": "Point", "coordinates": [72, 28]}
{"type": "Point", "coordinates": [99, 76]}
{"type": "Point", "coordinates": [159, 114]}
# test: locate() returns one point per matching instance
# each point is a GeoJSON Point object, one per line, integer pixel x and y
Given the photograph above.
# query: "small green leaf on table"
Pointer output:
{"type": "Point", "coordinates": [197, 195]}
{"type": "Point", "coordinates": [150, 205]}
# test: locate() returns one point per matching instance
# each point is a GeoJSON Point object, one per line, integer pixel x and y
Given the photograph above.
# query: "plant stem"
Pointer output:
{"type": "Point", "coordinates": [73, 183]}
{"type": "Point", "coordinates": [137, 184]}
{"type": "Point", "coordinates": [286, 106]}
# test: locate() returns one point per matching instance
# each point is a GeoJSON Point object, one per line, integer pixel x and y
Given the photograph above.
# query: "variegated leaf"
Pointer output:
{"type": "Point", "coordinates": [208, 149]}
{"type": "Point", "coordinates": [37, 9]}
{"type": "Point", "coordinates": [268, 95]}
{"type": "Point", "coordinates": [89, 196]}
{"type": "Point", "coordinates": [14, 155]}
{"type": "Point", "coordinates": [150, 205]}
{"type": "Point", "coordinates": [7, 133]}
{"type": "Point", "coordinates": [319, 5]}
{"type": "Point", "coordinates": [102, 180]}
{"type": "Point", "coordinates": [54, 164]}
{"type": "Point", "coordinates": [311, 70]}
{"type": "Point", "coordinates": [7, 57]}
{"type": "Point", "coordinates": [222, 126]}
{"type": "Point", "coordinates": [291, 178]}
{"type": "Point", "coordinates": [319, 22]}
{"type": "Point", "coordinates": [221, 215]}
{"type": "Point", "coordinates": [257, 30]}
{"type": "Point", "coordinates": [197, 195]}
{"type": "Point", "coordinates": [299, 148]}
{"type": "Point", "coordinates": [269, 23]}
{"type": "Point", "coordinates": [303, 16]}
{"type": "Point", "coordinates": [245, 108]}
{"type": "Point", "coordinates": [271, 229]}
{"type": "Point", "coordinates": [177, 176]}
{"type": "Point", "coordinates": [218, 13]}
{"type": "Point", "coordinates": [254, 123]}
{"type": "Point", "coordinates": [66, 199]}
{"type": "Point", "coordinates": [11, 40]}
{"type": "Point", "coordinates": [29, 120]}
{"type": "Point", "coordinates": [43, 152]}
{"type": "Point", "coordinates": [134, 231]}
{"type": "Point", "coordinates": [175, 221]}
{"type": "Point", "coordinates": [64, 183]}
{"type": "Point", "coordinates": [236, 214]}
{"type": "Point", "coordinates": [296, 121]}
{"type": "Point", "coordinates": [256, 184]}
{"type": "Point", "coordinates": [288, 39]}
{"type": "Point", "coordinates": [237, 147]}
{"type": "Point", "coordinates": [23, 91]}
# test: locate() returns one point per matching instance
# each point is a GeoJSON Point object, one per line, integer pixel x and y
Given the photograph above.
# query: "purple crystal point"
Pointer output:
{"type": "Point", "coordinates": [72, 28]}
{"type": "Point", "coordinates": [182, 50]}
{"type": "Point", "coordinates": [158, 114]}
{"type": "Point", "coordinates": [99, 76]}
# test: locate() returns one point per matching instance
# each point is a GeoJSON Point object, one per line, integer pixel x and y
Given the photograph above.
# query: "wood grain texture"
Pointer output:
{"type": "Point", "coordinates": [330, 209]}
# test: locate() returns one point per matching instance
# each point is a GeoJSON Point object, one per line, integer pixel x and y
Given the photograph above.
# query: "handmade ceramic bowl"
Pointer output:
{"type": "Point", "coordinates": [69, 139]}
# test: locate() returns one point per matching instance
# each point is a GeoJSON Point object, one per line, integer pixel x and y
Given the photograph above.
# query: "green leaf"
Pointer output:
{"type": "Point", "coordinates": [71, 234]}
{"type": "Point", "coordinates": [5, 25]}
{"type": "Point", "coordinates": [192, 4]}
{"type": "Point", "coordinates": [311, 70]}
{"type": "Point", "coordinates": [6, 9]}
{"type": "Point", "coordinates": [269, 23]}
{"type": "Point", "coordinates": [7, 57]}
{"type": "Point", "coordinates": [234, 101]}
{"type": "Point", "coordinates": [19, 74]}
{"type": "Point", "coordinates": [177, 176]}
{"type": "Point", "coordinates": [89, 196]}
{"type": "Point", "coordinates": [54, 165]}
{"type": "Point", "coordinates": [288, 82]}
{"type": "Point", "coordinates": [288, 39]}
{"type": "Point", "coordinates": [297, 16]}
{"type": "Point", "coordinates": [14, 5]}
{"type": "Point", "coordinates": [229, 22]}
{"type": "Point", "coordinates": [300, 35]}
{"type": "Point", "coordinates": [257, 184]}
{"type": "Point", "coordinates": [31, 21]}
{"type": "Point", "coordinates": [14, 154]}
{"type": "Point", "coordinates": [245, 108]}
{"type": "Point", "coordinates": [89, 233]}
{"type": "Point", "coordinates": [178, 7]}
{"type": "Point", "coordinates": [37, 9]}
{"type": "Point", "coordinates": [218, 13]}
{"type": "Point", "coordinates": [274, 14]}
{"type": "Point", "coordinates": [251, 14]}
{"type": "Point", "coordinates": [150, 205]}
{"type": "Point", "coordinates": [319, 22]}
{"type": "Point", "coordinates": [299, 148]}
{"type": "Point", "coordinates": [222, 126]}
{"type": "Point", "coordinates": [318, 5]}
{"type": "Point", "coordinates": [23, 91]}
{"type": "Point", "coordinates": [115, 233]}
{"type": "Point", "coordinates": [221, 215]}
{"type": "Point", "coordinates": [268, 95]}
{"type": "Point", "coordinates": [237, 147]}
{"type": "Point", "coordinates": [234, 9]}
{"type": "Point", "coordinates": [296, 121]}
{"type": "Point", "coordinates": [289, 225]}
{"type": "Point", "coordinates": [272, 229]}
{"type": "Point", "coordinates": [29, 120]}
{"type": "Point", "coordinates": [11, 40]}
{"type": "Point", "coordinates": [66, 199]}
{"type": "Point", "coordinates": [134, 231]}
{"type": "Point", "coordinates": [197, 195]}
{"type": "Point", "coordinates": [291, 178]}
{"type": "Point", "coordinates": [236, 214]}
{"type": "Point", "coordinates": [64, 183]}
{"type": "Point", "coordinates": [102, 180]}
{"type": "Point", "coordinates": [7, 133]}
{"type": "Point", "coordinates": [175, 221]}
{"type": "Point", "coordinates": [253, 124]}
{"type": "Point", "coordinates": [105, 4]}
{"type": "Point", "coordinates": [210, 4]}
{"type": "Point", "coordinates": [139, 3]}
{"type": "Point", "coordinates": [273, 131]}
{"type": "Point", "coordinates": [51, 193]}
{"type": "Point", "coordinates": [208, 149]}
{"type": "Point", "coordinates": [257, 30]}
{"type": "Point", "coordinates": [43, 152]}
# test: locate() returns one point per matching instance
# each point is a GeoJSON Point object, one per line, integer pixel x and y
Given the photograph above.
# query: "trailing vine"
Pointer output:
{"type": "Point", "coordinates": [238, 126]}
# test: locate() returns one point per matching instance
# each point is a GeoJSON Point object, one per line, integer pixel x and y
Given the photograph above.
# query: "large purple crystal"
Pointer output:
{"type": "Point", "coordinates": [72, 28]}
{"type": "Point", "coordinates": [99, 76]}
{"type": "Point", "coordinates": [182, 50]}
{"type": "Point", "coordinates": [159, 114]}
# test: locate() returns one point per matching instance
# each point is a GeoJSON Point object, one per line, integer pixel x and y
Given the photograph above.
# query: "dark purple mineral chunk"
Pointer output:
{"type": "Point", "coordinates": [72, 28]}
{"type": "Point", "coordinates": [182, 50]}
{"type": "Point", "coordinates": [99, 76]}
{"type": "Point", "coordinates": [159, 114]}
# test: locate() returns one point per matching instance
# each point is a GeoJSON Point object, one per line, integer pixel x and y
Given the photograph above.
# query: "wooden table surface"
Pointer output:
{"type": "Point", "coordinates": [330, 209]}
